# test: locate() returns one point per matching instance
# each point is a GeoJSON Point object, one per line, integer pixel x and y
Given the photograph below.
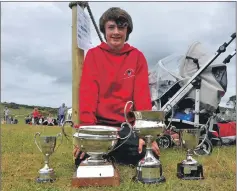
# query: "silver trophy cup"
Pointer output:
{"type": "Point", "coordinates": [47, 147]}
{"type": "Point", "coordinates": [148, 124]}
{"type": "Point", "coordinates": [190, 169]}
{"type": "Point", "coordinates": [97, 141]}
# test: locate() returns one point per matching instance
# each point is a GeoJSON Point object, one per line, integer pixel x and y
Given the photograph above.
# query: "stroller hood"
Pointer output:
{"type": "Point", "coordinates": [213, 79]}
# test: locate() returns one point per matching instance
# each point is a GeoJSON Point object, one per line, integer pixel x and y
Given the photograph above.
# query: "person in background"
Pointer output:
{"type": "Point", "coordinates": [42, 118]}
{"type": "Point", "coordinates": [61, 114]}
{"type": "Point", "coordinates": [50, 120]}
{"type": "Point", "coordinates": [10, 120]}
{"type": "Point", "coordinates": [35, 115]}
{"type": "Point", "coordinates": [27, 119]}
{"type": "Point", "coordinates": [6, 113]}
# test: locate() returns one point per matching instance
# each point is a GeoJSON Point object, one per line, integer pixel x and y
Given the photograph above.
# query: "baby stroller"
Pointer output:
{"type": "Point", "coordinates": [190, 95]}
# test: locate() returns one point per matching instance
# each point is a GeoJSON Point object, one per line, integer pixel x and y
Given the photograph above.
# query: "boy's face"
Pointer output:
{"type": "Point", "coordinates": [115, 35]}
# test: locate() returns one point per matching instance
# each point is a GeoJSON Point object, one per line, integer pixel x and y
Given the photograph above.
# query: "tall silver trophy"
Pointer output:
{"type": "Point", "coordinates": [190, 169]}
{"type": "Point", "coordinates": [47, 147]}
{"type": "Point", "coordinates": [148, 124]}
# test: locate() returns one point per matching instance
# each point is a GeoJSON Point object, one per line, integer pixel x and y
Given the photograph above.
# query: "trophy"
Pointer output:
{"type": "Point", "coordinates": [97, 141]}
{"type": "Point", "coordinates": [190, 169]}
{"type": "Point", "coordinates": [47, 147]}
{"type": "Point", "coordinates": [148, 124]}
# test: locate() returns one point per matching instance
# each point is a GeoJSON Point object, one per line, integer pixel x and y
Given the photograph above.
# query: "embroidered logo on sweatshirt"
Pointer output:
{"type": "Point", "coordinates": [128, 73]}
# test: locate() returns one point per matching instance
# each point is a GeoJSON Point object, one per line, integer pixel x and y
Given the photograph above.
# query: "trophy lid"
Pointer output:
{"type": "Point", "coordinates": [95, 137]}
{"type": "Point", "coordinates": [96, 128]}
{"type": "Point", "coordinates": [97, 132]}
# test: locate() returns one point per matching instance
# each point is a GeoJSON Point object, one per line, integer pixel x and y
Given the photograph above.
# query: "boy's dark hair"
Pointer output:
{"type": "Point", "coordinates": [120, 17]}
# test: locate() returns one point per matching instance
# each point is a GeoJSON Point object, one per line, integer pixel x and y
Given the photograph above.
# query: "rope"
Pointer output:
{"type": "Point", "coordinates": [93, 21]}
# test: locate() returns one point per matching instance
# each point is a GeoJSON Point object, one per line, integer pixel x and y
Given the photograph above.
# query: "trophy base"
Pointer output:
{"type": "Point", "coordinates": [149, 175]}
{"type": "Point", "coordinates": [149, 181]}
{"type": "Point", "coordinates": [190, 171]}
{"type": "Point", "coordinates": [42, 180]}
{"type": "Point", "coordinates": [46, 176]}
{"type": "Point", "coordinates": [95, 175]}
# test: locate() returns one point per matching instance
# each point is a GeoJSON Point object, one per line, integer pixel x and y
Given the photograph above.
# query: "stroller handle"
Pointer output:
{"type": "Point", "coordinates": [229, 57]}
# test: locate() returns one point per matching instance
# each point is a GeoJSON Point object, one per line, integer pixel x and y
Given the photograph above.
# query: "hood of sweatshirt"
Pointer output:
{"type": "Point", "coordinates": [126, 48]}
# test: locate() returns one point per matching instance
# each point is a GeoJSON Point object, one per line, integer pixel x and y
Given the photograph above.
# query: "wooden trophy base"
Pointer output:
{"type": "Point", "coordinates": [98, 179]}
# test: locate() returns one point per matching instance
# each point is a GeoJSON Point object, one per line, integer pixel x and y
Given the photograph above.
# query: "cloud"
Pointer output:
{"type": "Point", "coordinates": [36, 41]}
{"type": "Point", "coordinates": [31, 88]}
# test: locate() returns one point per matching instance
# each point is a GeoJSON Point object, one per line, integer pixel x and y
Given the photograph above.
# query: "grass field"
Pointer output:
{"type": "Point", "coordinates": [20, 113]}
{"type": "Point", "coordinates": [21, 161]}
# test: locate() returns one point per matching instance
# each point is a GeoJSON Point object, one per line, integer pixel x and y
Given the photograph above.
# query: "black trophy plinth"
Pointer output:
{"type": "Point", "coordinates": [190, 171]}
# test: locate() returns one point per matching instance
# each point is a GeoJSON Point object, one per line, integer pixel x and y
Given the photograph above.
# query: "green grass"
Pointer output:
{"type": "Point", "coordinates": [21, 161]}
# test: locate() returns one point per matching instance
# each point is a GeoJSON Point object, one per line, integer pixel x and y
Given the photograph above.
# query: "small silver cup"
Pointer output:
{"type": "Point", "coordinates": [190, 169]}
{"type": "Point", "coordinates": [47, 147]}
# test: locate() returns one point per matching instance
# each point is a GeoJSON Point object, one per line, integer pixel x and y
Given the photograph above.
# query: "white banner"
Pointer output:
{"type": "Point", "coordinates": [83, 30]}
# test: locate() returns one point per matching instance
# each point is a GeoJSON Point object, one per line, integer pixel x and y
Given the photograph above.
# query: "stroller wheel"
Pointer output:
{"type": "Point", "coordinates": [205, 149]}
{"type": "Point", "coordinates": [164, 142]}
{"type": "Point", "coordinates": [217, 142]}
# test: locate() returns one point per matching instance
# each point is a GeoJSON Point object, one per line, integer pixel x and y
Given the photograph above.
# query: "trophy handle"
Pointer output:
{"type": "Point", "coordinates": [125, 138]}
{"type": "Point", "coordinates": [125, 109]}
{"type": "Point", "coordinates": [59, 135]}
{"type": "Point", "coordinates": [37, 134]}
{"type": "Point", "coordinates": [130, 127]}
{"type": "Point", "coordinates": [63, 130]}
{"type": "Point", "coordinates": [206, 134]}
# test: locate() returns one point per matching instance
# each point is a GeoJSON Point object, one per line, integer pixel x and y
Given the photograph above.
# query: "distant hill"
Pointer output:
{"type": "Point", "coordinates": [16, 106]}
{"type": "Point", "coordinates": [22, 109]}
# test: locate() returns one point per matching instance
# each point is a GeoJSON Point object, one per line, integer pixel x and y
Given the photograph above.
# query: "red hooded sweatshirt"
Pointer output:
{"type": "Point", "coordinates": [109, 81]}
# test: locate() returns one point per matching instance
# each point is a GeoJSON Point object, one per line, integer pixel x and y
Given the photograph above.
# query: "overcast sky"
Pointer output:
{"type": "Point", "coordinates": [36, 66]}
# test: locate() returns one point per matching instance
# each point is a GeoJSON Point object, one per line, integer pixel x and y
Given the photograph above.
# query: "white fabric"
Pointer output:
{"type": "Point", "coordinates": [167, 72]}
{"type": "Point", "coordinates": [210, 87]}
